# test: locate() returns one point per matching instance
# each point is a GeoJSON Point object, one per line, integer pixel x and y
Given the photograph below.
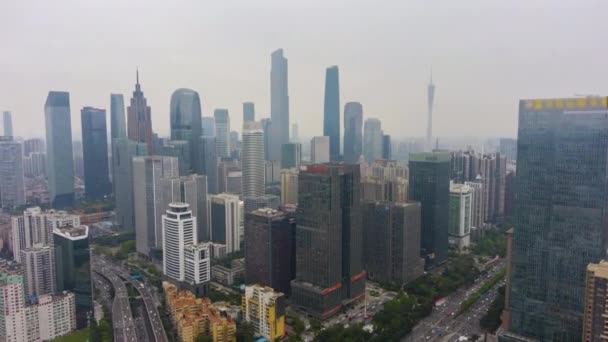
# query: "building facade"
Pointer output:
{"type": "Point", "coordinates": [222, 132]}
{"type": "Point", "coordinates": [123, 152]}
{"type": "Point", "coordinates": [12, 185]}
{"type": "Point", "coordinates": [331, 111]}
{"type": "Point", "coordinates": [38, 267]}
{"type": "Point", "coordinates": [193, 191]}
{"type": "Point", "coordinates": [319, 150]}
{"type": "Point", "coordinates": [279, 107]}
{"type": "Point", "coordinates": [264, 309]}
{"type": "Point", "coordinates": [140, 118]}
{"type": "Point", "coordinates": [252, 161]}
{"type": "Point", "coordinates": [59, 157]}
{"type": "Point", "coordinates": [291, 155]}
{"type": "Point", "coordinates": [95, 153]}
{"type": "Point", "coordinates": [595, 320]}
{"type": "Point", "coordinates": [461, 216]}
{"type": "Point", "coordinates": [372, 140]}
{"type": "Point", "coordinates": [248, 111]}
{"type": "Point", "coordinates": [185, 121]}
{"type": "Point", "coordinates": [353, 132]}
{"type": "Point", "coordinates": [226, 221]}
{"type": "Point", "coordinates": [289, 186]}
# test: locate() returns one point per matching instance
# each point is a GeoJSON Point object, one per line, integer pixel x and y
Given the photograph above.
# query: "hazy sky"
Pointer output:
{"type": "Point", "coordinates": [485, 55]}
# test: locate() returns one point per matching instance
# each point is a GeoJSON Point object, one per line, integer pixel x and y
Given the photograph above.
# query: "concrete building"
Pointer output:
{"type": "Point", "coordinates": [59, 157]}
{"type": "Point", "coordinates": [461, 215]}
{"type": "Point", "coordinates": [264, 309]}
{"type": "Point", "coordinates": [222, 132]}
{"type": "Point", "coordinates": [38, 267]}
{"type": "Point", "coordinates": [478, 211]}
{"type": "Point", "coordinates": [234, 183]}
{"type": "Point", "coordinates": [7, 123]}
{"type": "Point", "coordinates": [386, 180]}
{"type": "Point", "coordinates": [185, 123]}
{"type": "Point", "coordinates": [248, 111]}
{"type": "Point", "coordinates": [372, 140]}
{"type": "Point", "coordinates": [225, 167]}
{"type": "Point", "coordinates": [179, 230]}
{"type": "Point", "coordinates": [123, 152]}
{"type": "Point", "coordinates": [228, 276]}
{"type": "Point", "coordinates": [353, 132]}
{"type": "Point", "coordinates": [209, 162]}
{"type": "Point", "coordinates": [148, 199]}
{"type": "Point", "coordinates": [391, 232]}
{"type": "Point", "coordinates": [197, 266]}
{"type": "Point", "coordinates": [270, 249]}
{"type": "Point", "coordinates": [595, 319]}
{"type": "Point", "coordinates": [252, 161]}
{"type": "Point", "coordinates": [95, 153]}
{"type": "Point", "coordinates": [289, 186]}
{"type": "Point", "coordinates": [319, 150]}
{"type": "Point", "coordinates": [264, 201]}
{"type": "Point", "coordinates": [279, 106]}
{"type": "Point", "coordinates": [51, 316]}
{"type": "Point", "coordinates": [12, 186]}
{"type": "Point", "coordinates": [192, 190]}
{"type": "Point", "coordinates": [331, 111]}
{"type": "Point", "coordinates": [179, 149]}
{"type": "Point", "coordinates": [272, 172]}
{"type": "Point", "coordinates": [291, 155]}
{"type": "Point", "coordinates": [140, 118]}
{"type": "Point", "coordinates": [226, 214]}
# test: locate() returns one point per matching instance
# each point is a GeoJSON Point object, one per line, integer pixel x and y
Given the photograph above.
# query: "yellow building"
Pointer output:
{"type": "Point", "coordinates": [265, 310]}
{"type": "Point", "coordinates": [595, 319]}
{"type": "Point", "coordinates": [196, 316]}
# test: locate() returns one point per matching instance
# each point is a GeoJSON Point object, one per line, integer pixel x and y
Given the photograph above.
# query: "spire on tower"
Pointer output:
{"type": "Point", "coordinates": [137, 75]}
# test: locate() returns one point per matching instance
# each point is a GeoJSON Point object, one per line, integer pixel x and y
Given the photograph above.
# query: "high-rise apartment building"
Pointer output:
{"type": "Point", "coordinates": [372, 140]}
{"type": "Point", "coordinates": [191, 190]}
{"type": "Point", "coordinates": [12, 186]}
{"type": "Point", "coordinates": [179, 230]}
{"type": "Point", "coordinates": [95, 152]}
{"type": "Point", "coordinates": [226, 221]}
{"type": "Point", "coordinates": [38, 269]}
{"type": "Point", "coordinates": [279, 106]}
{"type": "Point", "coordinates": [264, 309]}
{"type": "Point", "coordinates": [248, 111]}
{"type": "Point", "coordinates": [329, 273]}
{"type": "Point", "coordinates": [461, 215]}
{"type": "Point", "coordinates": [331, 111]}
{"type": "Point", "coordinates": [123, 152]}
{"type": "Point", "coordinates": [560, 215]}
{"type": "Point", "coordinates": [595, 322]}
{"type": "Point", "coordinates": [185, 120]}
{"type": "Point", "coordinates": [270, 249]}
{"type": "Point", "coordinates": [222, 132]}
{"type": "Point", "coordinates": [73, 268]}
{"type": "Point", "coordinates": [7, 123]}
{"type": "Point", "coordinates": [353, 132]}
{"type": "Point", "coordinates": [209, 162]}
{"type": "Point", "coordinates": [289, 186]}
{"type": "Point", "coordinates": [391, 232]}
{"type": "Point", "coordinates": [319, 150]}
{"type": "Point", "coordinates": [148, 199]}
{"type": "Point", "coordinates": [13, 324]}
{"type": "Point", "coordinates": [429, 184]}
{"type": "Point", "coordinates": [478, 211]}
{"type": "Point", "coordinates": [252, 161]}
{"type": "Point", "coordinates": [140, 118]}
{"type": "Point", "coordinates": [291, 155]}
{"type": "Point", "coordinates": [386, 180]}
{"type": "Point", "coordinates": [59, 157]}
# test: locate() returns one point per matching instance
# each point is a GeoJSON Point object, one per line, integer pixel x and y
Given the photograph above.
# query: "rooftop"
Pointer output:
{"type": "Point", "coordinates": [73, 233]}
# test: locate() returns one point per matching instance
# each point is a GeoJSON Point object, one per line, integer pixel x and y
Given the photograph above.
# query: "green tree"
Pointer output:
{"type": "Point", "coordinates": [204, 338]}
{"type": "Point", "coordinates": [337, 333]}
{"type": "Point", "coordinates": [245, 332]}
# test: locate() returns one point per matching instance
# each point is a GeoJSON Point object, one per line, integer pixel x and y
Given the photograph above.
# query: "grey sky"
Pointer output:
{"type": "Point", "coordinates": [485, 55]}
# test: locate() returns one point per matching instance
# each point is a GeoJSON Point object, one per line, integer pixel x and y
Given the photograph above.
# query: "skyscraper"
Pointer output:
{"type": "Point", "coordinates": [179, 149]}
{"type": "Point", "coordinates": [279, 105]}
{"type": "Point", "coordinates": [8, 124]}
{"type": "Point", "coordinates": [372, 140]}
{"type": "Point", "coordinates": [268, 137]}
{"type": "Point", "coordinates": [59, 157]}
{"type": "Point", "coordinates": [319, 150]}
{"type": "Point", "coordinates": [179, 230]}
{"type": "Point", "coordinates": [429, 184]}
{"type": "Point", "coordinates": [148, 197]}
{"type": "Point", "coordinates": [596, 309]}
{"type": "Point", "coordinates": [73, 267]}
{"type": "Point", "coordinates": [295, 133]}
{"type": "Point", "coordinates": [461, 215]}
{"type": "Point", "coordinates": [208, 124]}
{"type": "Point", "coordinates": [140, 118]}
{"type": "Point", "coordinates": [186, 122]}
{"type": "Point", "coordinates": [248, 111]}
{"type": "Point", "coordinates": [192, 190]}
{"type": "Point", "coordinates": [292, 155]}
{"type": "Point", "coordinates": [329, 242]}
{"type": "Point", "coordinates": [264, 309]}
{"type": "Point", "coordinates": [123, 152]}
{"type": "Point", "coordinates": [387, 149]}
{"type": "Point", "coordinates": [209, 162]}
{"type": "Point", "coordinates": [331, 113]}
{"type": "Point", "coordinates": [270, 249]}
{"type": "Point", "coordinates": [12, 186]}
{"type": "Point", "coordinates": [95, 152]}
{"type": "Point", "coordinates": [429, 124]}
{"type": "Point", "coordinates": [38, 268]}
{"type": "Point", "coordinates": [226, 221]}
{"type": "Point", "coordinates": [289, 186]}
{"type": "Point", "coordinates": [222, 132]}
{"type": "Point", "coordinates": [118, 125]}
{"type": "Point", "coordinates": [353, 132]}
{"type": "Point", "coordinates": [252, 161]}
{"type": "Point", "coordinates": [560, 215]}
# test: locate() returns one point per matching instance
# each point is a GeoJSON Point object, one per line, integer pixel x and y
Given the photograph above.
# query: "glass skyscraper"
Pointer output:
{"type": "Point", "coordinates": [353, 132]}
{"type": "Point", "coordinates": [331, 114]}
{"type": "Point", "coordinates": [561, 215]}
{"type": "Point", "coordinates": [59, 158]}
{"type": "Point", "coordinates": [95, 152]}
{"type": "Point", "coordinates": [186, 122]}
{"type": "Point", "coordinates": [279, 105]}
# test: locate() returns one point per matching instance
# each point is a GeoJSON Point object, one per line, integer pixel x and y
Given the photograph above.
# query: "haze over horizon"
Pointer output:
{"type": "Point", "coordinates": [484, 56]}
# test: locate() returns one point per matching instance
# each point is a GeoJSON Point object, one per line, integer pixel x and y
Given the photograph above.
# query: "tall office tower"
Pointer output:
{"type": "Point", "coordinates": [140, 118]}
{"type": "Point", "coordinates": [478, 213]}
{"type": "Point", "coordinates": [372, 140]}
{"type": "Point", "coordinates": [248, 111]}
{"type": "Point", "coordinates": [59, 157]}
{"type": "Point", "coordinates": [295, 133]}
{"type": "Point", "coordinates": [264, 309]}
{"type": "Point", "coordinates": [268, 138]}
{"type": "Point", "coordinates": [179, 230]}
{"type": "Point", "coordinates": [78, 159]}
{"type": "Point", "coordinates": [235, 145]}
{"type": "Point", "coordinates": [95, 152]}
{"type": "Point", "coordinates": [8, 123]}
{"type": "Point", "coordinates": [429, 124]}
{"type": "Point", "coordinates": [279, 105]}
{"type": "Point", "coordinates": [353, 132]}
{"type": "Point", "coordinates": [73, 268]}
{"type": "Point", "coordinates": [222, 132]}
{"type": "Point", "coordinates": [391, 232]}
{"type": "Point", "coordinates": [331, 111]}
{"type": "Point", "coordinates": [12, 186]}
{"type": "Point", "coordinates": [508, 148]}
{"type": "Point", "coordinates": [289, 186]}
{"type": "Point", "coordinates": [291, 155]}
{"type": "Point", "coordinates": [186, 122]}
{"type": "Point", "coordinates": [118, 126]}
{"type": "Point", "coordinates": [179, 149]}
{"type": "Point", "coordinates": [387, 150]}
{"type": "Point", "coordinates": [209, 162]}
{"type": "Point", "coordinates": [224, 168]}
{"type": "Point", "coordinates": [234, 182]}
{"type": "Point", "coordinates": [226, 220]}
{"type": "Point", "coordinates": [208, 124]}
{"type": "Point", "coordinates": [33, 145]}
{"type": "Point", "coordinates": [509, 195]}
{"type": "Point", "coordinates": [461, 215]}
{"type": "Point", "coordinates": [429, 184]}
{"type": "Point", "coordinates": [252, 160]}
{"type": "Point", "coordinates": [595, 319]}
{"type": "Point", "coordinates": [148, 197]}
{"type": "Point", "coordinates": [38, 267]}
{"type": "Point", "coordinates": [272, 172]}
{"type": "Point", "coordinates": [560, 215]}
{"type": "Point", "coordinates": [191, 190]}
{"type": "Point", "coordinates": [13, 326]}
{"type": "Point", "coordinates": [270, 249]}
{"type": "Point", "coordinates": [123, 152]}
{"type": "Point", "coordinates": [319, 150]}
{"type": "Point", "coordinates": [329, 273]}
{"type": "Point", "coordinates": [500, 181]}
